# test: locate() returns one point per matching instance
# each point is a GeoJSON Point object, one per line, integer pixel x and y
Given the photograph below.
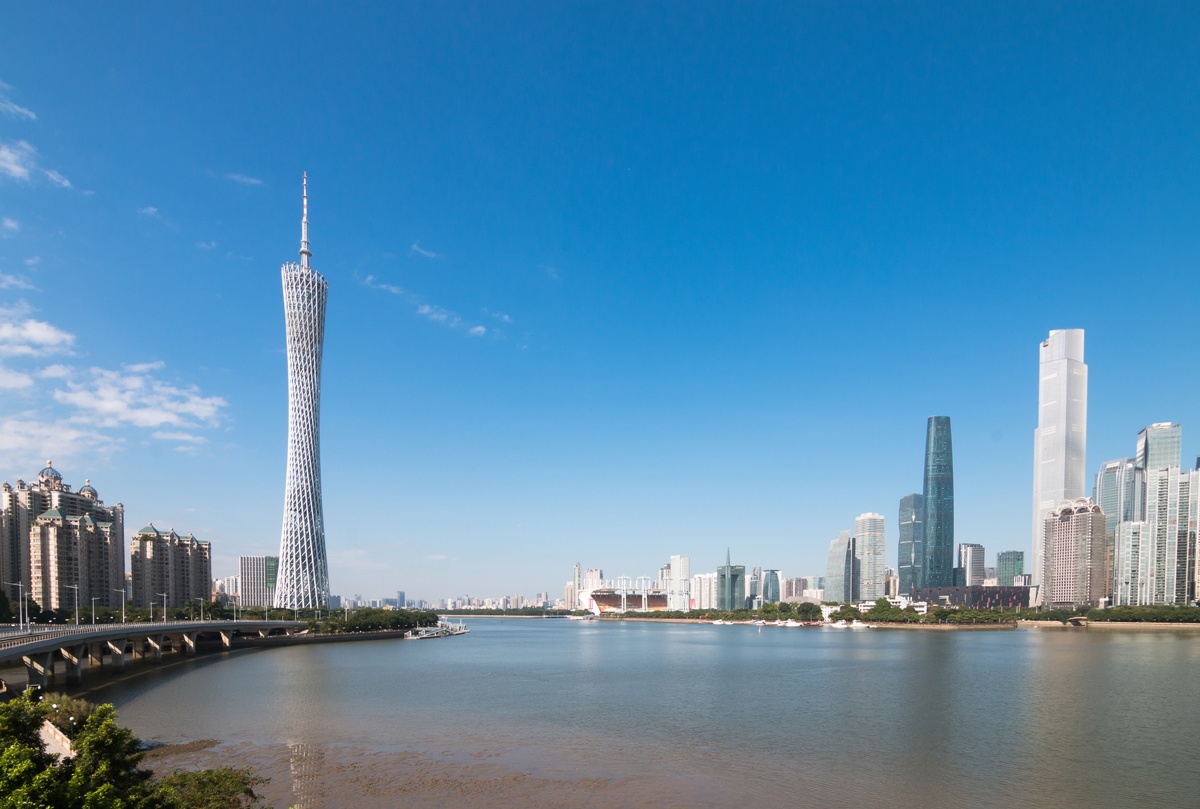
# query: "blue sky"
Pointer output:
{"type": "Point", "coordinates": [608, 281]}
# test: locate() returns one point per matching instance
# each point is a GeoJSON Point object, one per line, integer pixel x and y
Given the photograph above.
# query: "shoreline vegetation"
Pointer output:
{"type": "Point", "coordinates": [884, 615]}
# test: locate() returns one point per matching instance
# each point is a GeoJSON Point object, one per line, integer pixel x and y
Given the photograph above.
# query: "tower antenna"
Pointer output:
{"type": "Point", "coordinates": [305, 253]}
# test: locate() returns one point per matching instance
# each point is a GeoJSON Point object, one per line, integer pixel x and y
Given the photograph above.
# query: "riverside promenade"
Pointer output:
{"type": "Point", "coordinates": [49, 652]}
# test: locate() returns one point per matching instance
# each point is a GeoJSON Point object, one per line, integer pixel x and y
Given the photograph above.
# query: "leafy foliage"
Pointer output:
{"type": "Point", "coordinates": [104, 772]}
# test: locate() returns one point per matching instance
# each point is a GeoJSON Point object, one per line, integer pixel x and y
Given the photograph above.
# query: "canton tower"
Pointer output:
{"type": "Point", "coordinates": [303, 581]}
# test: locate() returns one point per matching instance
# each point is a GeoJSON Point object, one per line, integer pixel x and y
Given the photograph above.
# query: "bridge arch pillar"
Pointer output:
{"type": "Point", "coordinates": [116, 654]}
{"type": "Point", "coordinates": [74, 656]}
{"type": "Point", "coordinates": [39, 668]}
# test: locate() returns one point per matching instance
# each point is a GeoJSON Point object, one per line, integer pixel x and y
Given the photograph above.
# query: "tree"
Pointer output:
{"type": "Point", "coordinates": [222, 788]}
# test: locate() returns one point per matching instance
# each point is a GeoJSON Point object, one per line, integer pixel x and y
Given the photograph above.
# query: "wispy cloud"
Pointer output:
{"type": "Point", "coordinates": [206, 245]}
{"type": "Point", "coordinates": [14, 282]}
{"type": "Point", "coordinates": [19, 161]}
{"type": "Point", "coordinates": [501, 316]}
{"type": "Point", "coordinates": [11, 108]}
{"type": "Point", "coordinates": [86, 410]}
{"type": "Point", "coordinates": [420, 251]}
{"type": "Point", "coordinates": [243, 179]}
{"type": "Point", "coordinates": [551, 272]}
{"type": "Point", "coordinates": [436, 314]}
{"type": "Point", "coordinates": [33, 261]}
{"type": "Point", "coordinates": [9, 226]}
{"type": "Point", "coordinates": [150, 211]}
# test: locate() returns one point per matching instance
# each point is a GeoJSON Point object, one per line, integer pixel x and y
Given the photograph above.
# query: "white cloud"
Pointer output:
{"type": "Point", "coordinates": [18, 159]}
{"type": "Point", "coordinates": [32, 338]}
{"type": "Point", "coordinates": [243, 179]}
{"type": "Point", "coordinates": [188, 438]}
{"type": "Point", "coordinates": [149, 210]}
{"type": "Point", "coordinates": [435, 314]}
{"type": "Point", "coordinates": [133, 397]}
{"type": "Point", "coordinates": [551, 272]}
{"type": "Point", "coordinates": [10, 225]}
{"type": "Point", "coordinates": [477, 331]}
{"type": "Point", "coordinates": [55, 372]}
{"type": "Point", "coordinates": [58, 179]}
{"type": "Point", "coordinates": [33, 261]}
{"type": "Point", "coordinates": [206, 245]}
{"type": "Point", "coordinates": [14, 282]}
{"type": "Point", "coordinates": [11, 108]}
{"type": "Point", "coordinates": [27, 439]}
{"type": "Point", "coordinates": [14, 380]}
{"type": "Point", "coordinates": [420, 251]}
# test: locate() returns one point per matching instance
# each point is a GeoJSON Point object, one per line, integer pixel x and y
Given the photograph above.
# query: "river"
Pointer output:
{"type": "Point", "coordinates": [553, 712]}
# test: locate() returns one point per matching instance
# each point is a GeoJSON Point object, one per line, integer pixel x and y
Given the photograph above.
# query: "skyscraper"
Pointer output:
{"type": "Point", "coordinates": [1009, 565]}
{"type": "Point", "coordinates": [870, 549]}
{"type": "Point", "coordinates": [1120, 491]}
{"type": "Point", "coordinates": [939, 504]}
{"type": "Point", "coordinates": [841, 570]}
{"type": "Point", "coordinates": [970, 559]}
{"type": "Point", "coordinates": [303, 569]}
{"type": "Point", "coordinates": [1060, 440]}
{"type": "Point", "coordinates": [165, 562]}
{"type": "Point", "coordinates": [1158, 446]}
{"type": "Point", "coordinates": [731, 586]}
{"type": "Point", "coordinates": [259, 579]}
{"type": "Point", "coordinates": [770, 586]}
{"type": "Point", "coordinates": [912, 542]}
{"type": "Point", "coordinates": [679, 583]}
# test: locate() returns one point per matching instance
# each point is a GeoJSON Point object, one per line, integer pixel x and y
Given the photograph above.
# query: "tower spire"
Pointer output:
{"type": "Point", "coordinates": [305, 253]}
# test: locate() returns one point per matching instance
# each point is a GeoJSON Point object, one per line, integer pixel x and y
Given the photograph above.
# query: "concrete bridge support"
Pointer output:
{"type": "Point", "coordinates": [116, 654]}
{"type": "Point", "coordinates": [95, 654]}
{"type": "Point", "coordinates": [189, 644]}
{"type": "Point", "coordinates": [153, 648]}
{"type": "Point", "coordinates": [74, 657]}
{"type": "Point", "coordinates": [226, 639]}
{"type": "Point", "coordinates": [39, 668]}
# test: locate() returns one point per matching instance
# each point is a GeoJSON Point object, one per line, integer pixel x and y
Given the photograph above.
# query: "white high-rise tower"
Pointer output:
{"type": "Point", "coordinates": [303, 580]}
{"type": "Point", "coordinates": [1060, 440]}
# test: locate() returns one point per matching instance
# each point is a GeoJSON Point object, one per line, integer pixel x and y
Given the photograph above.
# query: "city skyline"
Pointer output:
{"type": "Point", "coordinates": [608, 280]}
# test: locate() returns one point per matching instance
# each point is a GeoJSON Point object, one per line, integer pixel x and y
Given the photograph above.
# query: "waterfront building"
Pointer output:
{"type": "Point", "coordinates": [975, 598]}
{"type": "Point", "coordinates": [1009, 565]}
{"type": "Point", "coordinates": [1072, 554]}
{"type": "Point", "coordinates": [841, 570]}
{"type": "Point", "coordinates": [1120, 491]}
{"type": "Point", "coordinates": [1060, 440]}
{"type": "Point", "coordinates": [165, 562]}
{"type": "Point", "coordinates": [731, 586]}
{"type": "Point", "coordinates": [593, 579]}
{"type": "Point", "coordinates": [22, 504]}
{"type": "Point", "coordinates": [938, 496]}
{"type": "Point", "coordinates": [303, 568]}
{"type": "Point", "coordinates": [1159, 446]}
{"type": "Point", "coordinates": [232, 586]}
{"type": "Point", "coordinates": [679, 583]}
{"type": "Point", "coordinates": [1156, 560]}
{"type": "Point", "coordinates": [259, 576]}
{"type": "Point", "coordinates": [891, 583]}
{"type": "Point", "coordinates": [704, 591]}
{"type": "Point", "coordinates": [912, 542]}
{"type": "Point", "coordinates": [970, 559]}
{"type": "Point", "coordinates": [75, 559]}
{"type": "Point", "coordinates": [753, 589]}
{"type": "Point", "coordinates": [771, 586]}
{"type": "Point", "coordinates": [870, 552]}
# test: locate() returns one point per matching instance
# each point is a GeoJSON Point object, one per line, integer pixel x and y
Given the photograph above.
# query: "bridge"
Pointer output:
{"type": "Point", "coordinates": [44, 650]}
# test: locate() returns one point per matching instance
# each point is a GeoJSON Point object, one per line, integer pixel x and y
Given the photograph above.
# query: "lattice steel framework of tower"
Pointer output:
{"type": "Point", "coordinates": [303, 580]}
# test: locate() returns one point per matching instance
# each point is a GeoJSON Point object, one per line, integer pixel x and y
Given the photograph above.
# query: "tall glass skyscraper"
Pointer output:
{"type": "Point", "coordinates": [911, 563]}
{"type": "Point", "coordinates": [939, 504]}
{"type": "Point", "coordinates": [870, 551]}
{"type": "Point", "coordinates": [731, 586]}
{"type": "Point", "coordinates": [303, 581]}
{"type": "Point", "coordinates": [1009, 565]}
{"type": "Point", "coordinates": [1158, 446]}
{"type": "Point", "coordinates": [1060, 440]}
{"type": "Point", "coordinates": [841, 570]}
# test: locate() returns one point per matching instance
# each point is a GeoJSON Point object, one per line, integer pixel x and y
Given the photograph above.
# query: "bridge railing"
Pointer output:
{"type": "Point", "coordinates": [43, 633]}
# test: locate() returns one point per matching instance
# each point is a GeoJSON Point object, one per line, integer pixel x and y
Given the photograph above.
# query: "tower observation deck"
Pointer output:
{"type": "Point", "coordinates": [303, 581]}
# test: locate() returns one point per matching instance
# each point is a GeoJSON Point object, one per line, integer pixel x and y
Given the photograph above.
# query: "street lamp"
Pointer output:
{"type": "Point", "coordinates": [20, 603]}
{"type": "Point", "coordinates": [164, 595]}
{"type": "Point", "coordinates": [201, 600]}
{"type": "Point", "coordinates": [94, 600]}
{"type": "Point", "coordinates": [122, 592]}
{"type": "Point", "coordinates": [75, 587]}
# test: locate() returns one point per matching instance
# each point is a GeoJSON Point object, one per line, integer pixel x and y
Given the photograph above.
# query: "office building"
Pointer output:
{"type": "Point", "coordinates": [259, 576]}
{"type": "Point", "coordinates": [1120, 491]}
{"type": "Point", "coordinates": [1009, 565]}
{"type": "Point", "coordinates": [1159, 446]}
{"type": "Point", "coordinates": [939, 504]}
{"type": "Point", "coordinates": [167, 565]}
{"type": "Point", "coordinates": [912, 542]}
{"type": "Point", "coordinates": [1060, 440]}
{"type": "Point", "coordinates": [1072, 552]}
{"type": "Point", "coordinates": [704, 591]}
{"type": "Point", "coordinates": [731, 586]}
{"type": "Point", "coordinates": [303, 568]}
{"type": "Point", "coordinates": [970, 560]}
{"type": "Point", "coordinates": [679, 583]}
{"type": "Point", "coordinates": [870, 550]}
{"type": "Point", "coordinates": [771, 589]}
{"type": "Point", "coordinates": [1164, 545]}
{"type": "Point", "coordinates": [841, 571]}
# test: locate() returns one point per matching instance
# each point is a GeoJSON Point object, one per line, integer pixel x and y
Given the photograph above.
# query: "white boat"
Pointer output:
{"type": "Point", "coordinates": [719, 622]}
